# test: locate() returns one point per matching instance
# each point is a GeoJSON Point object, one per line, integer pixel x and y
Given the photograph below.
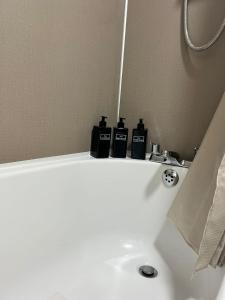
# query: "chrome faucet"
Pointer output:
{"type": "Point", "coordinates": [167, 157]}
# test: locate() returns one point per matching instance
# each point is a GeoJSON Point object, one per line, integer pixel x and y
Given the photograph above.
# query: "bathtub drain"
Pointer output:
{"type": "Point", "coordinates": [148, 271]}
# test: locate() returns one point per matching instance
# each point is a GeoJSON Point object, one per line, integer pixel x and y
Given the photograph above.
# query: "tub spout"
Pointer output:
{"type": "Point", "coordinates": [167, 157]}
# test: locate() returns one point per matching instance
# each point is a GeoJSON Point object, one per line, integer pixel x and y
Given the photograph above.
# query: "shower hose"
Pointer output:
{"type": "Point", "coordinates": [187, 35]}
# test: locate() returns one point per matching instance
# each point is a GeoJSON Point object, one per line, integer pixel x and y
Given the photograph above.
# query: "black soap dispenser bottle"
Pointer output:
{"type": "Point", "coordinates": [100, 140]}
{"type": "Point", "coordinates": [120, 137]}
{"type": "Point", "coordinates": [139, 141]}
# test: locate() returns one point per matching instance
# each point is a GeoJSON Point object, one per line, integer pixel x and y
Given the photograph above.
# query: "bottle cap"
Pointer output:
{"type": "Point", "coordinates": [102, 123]}
{"type": "Point", "coordinates": [121, 123]}
{"type": "Point", "coordinates": [141, 124]}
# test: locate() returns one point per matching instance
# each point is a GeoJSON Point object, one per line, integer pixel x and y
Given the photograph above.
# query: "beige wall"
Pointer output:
{"type": "Point", "coordinates": [174, 89]}
{"type": "Point", "coordinates": [59, 67]}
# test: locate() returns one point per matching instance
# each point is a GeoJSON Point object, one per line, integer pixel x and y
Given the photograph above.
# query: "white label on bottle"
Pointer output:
{"type": "Point", "coordinates": [105, 137]}
{"type": "Point", "coordinates": [121, 137]}
{"type": "Point", "coordinates": [138, 139]}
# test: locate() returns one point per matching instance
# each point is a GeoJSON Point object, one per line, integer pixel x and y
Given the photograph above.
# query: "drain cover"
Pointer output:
{"type": "Point", "coordinates": [148, 271]}
{"type": "Point", "coordinates": [170, 177]}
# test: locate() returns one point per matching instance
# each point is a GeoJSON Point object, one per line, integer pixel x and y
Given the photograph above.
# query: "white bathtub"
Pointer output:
{"type": "Point", "coordinates": [76, 228]}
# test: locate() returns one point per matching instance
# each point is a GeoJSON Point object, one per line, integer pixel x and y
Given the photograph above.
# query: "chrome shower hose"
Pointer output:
{"type": "Point", "coordinates": [187, 35]}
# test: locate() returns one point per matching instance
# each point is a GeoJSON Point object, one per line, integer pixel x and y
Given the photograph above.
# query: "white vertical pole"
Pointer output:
{"type": "Point", "coordinates": [122, 57]}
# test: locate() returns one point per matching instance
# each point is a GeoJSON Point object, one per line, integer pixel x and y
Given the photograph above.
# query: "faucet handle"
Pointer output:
{"type": "Point", "coordinates": [171, 158]}
{"type": "Point", "coordinates": [156, 154]}
{"type": "Point", "coordinates": [155, 149]}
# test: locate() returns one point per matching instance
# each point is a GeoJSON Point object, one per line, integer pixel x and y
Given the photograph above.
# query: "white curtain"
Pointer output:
{"type": "Point", "coordinates": [199, 208]}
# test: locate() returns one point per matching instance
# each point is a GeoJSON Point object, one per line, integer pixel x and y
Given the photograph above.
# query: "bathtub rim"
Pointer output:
{"type": "Point", "coordinates": [65, 159]}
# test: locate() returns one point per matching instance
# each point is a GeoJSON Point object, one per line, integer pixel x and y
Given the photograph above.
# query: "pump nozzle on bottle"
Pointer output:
{"type": "Point", "coordinates": [141, 125]}
{"type": "Point", "coordinates": [102, 123]}
{"type": "Point", "coordinates": [121, 123]}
